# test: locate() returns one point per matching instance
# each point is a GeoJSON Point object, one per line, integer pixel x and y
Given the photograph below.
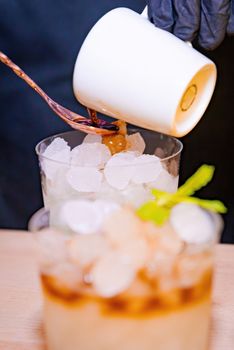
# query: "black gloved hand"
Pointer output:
{"type": "Point", "coordinates": [208, 20]}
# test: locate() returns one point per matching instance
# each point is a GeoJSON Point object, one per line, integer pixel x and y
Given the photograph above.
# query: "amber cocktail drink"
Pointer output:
{"type": "Point", "coordinates": [114, 281]}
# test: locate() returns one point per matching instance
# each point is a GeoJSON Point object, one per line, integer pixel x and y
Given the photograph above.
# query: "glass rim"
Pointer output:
{"type": "Point", "coordinates": [36, 216]}
{"type": "Point", "coordinates": [216, 218]}
{"type": "Point", "coordinates": [52, 137]}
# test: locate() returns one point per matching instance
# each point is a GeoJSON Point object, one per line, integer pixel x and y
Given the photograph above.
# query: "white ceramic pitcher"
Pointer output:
{"type": "Point", "coordinates": [131, 70]}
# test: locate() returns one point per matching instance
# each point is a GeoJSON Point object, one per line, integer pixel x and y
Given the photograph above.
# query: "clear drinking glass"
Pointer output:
{"type": "Point", "coordinates": [114, 290]}
{"type": "Point", "coordinates": [123, 182]}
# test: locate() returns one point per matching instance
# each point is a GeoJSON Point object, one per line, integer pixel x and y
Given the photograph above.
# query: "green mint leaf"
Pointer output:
{"type": "Point", "coordinates": [198, 180]}
{"type": "Point", "coordinates": [158, 193]}
{"type": "Point", "coordinates": [150, 211]}
{"type": "Point", "coordinates": [212, 205]}
{"type": "Point", "coordinates": [163, 198]}
{"type": "Point", "coordinates": [158, 210]}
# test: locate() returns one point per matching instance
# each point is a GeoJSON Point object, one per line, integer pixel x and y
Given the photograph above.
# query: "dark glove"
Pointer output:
{"type": "Point", "coordinates": [208, 20]}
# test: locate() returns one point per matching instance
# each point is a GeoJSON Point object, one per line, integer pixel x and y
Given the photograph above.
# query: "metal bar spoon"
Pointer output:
{"type": "Point", "coordinates": [93, 125]}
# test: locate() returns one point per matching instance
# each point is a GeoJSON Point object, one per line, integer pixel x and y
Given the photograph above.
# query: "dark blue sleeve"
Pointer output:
{"type": "Point", "coordinates": [206, 20]}
{"type": "Point", "coordinates": [230, 28]}
{"type": "Point", "coordinates": [214, 21]}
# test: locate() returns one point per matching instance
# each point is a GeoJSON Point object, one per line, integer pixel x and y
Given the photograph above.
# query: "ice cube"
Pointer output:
{"type": "Point", "coordinates": [56, 146]}
{"type": "Point", "coordinates": [66, 275]}
{"type": "Point", "coordinates": [137, 251]}
{"type": "Point", "coordinates": [112, 275]}
{"type": "Point", "coordinates": [190, 268]}
{"type": "Point", "coordinates": [168, 241]}
{"type": "Point", "coordinates": [170, 296]}
{"type": "Point", "coordinates": [122, 227]}
{"type": "Point", "coordinates": [57, 188]}
{"type": "Point", "coordinates": [136, 142]}
{"type": "Point", "coordinates": [106, 188]}
{"type": "Point", "coordinates": [107, 192]}
{"type": "Point", "coordinates": [90, 138]}
{"type": "Point", "coordinates": [191, 223]}
{"type": "Point", "coordinates": [165, 182]}
{"type": "Point", "coordinates": [161, 264]}
{"type": "Point", "coordinates": [51, 246]}
{"type": "Point", "coordinates": [146, 169]}
{"type": "Point", "coordinates": [85, 249]}
{"type": "Point", "coordinates": [84, 179]}
{"type": "Point", "coordinates": [166, 248]}
{"type": "Point", "coordinates": [139, 289]}
{"type": "Point", "coordinates": [90, 154]}
{"type": "Point", "coordinates": [81, 216]}
{"type": "Point", "coordinates": [119, 169]}
{"type": "Point", "coordinates": [150, 231]}
{"type": "Point", "coordinates": [55, 156]}
{"type": "Point", "coordinates": [55, 218]}
{"type": "Point", "coordinates": [136, 195]}
{"type": "Point", "coordinates": [106, 207]}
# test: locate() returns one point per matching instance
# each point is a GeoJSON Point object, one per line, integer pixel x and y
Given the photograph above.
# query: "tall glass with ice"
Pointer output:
{"type": "Point", "coordinates": [126, 283]}
{"type": "Point", "coordinates": [77, 166]}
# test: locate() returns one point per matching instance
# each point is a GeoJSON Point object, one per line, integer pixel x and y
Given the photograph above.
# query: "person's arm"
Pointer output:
{"type": "Point", "coordinates": [206, 20]}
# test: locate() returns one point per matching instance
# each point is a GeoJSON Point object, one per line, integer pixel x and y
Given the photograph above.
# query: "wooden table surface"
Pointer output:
{"type": "Point", "coordinates": [21, 304]}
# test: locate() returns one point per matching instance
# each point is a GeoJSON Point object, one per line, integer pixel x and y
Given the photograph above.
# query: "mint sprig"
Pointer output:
{"type": "Point", "coordinates": [198, 180]}
{"type": "Point", "coordinates": [158, 210]}
{"type": "Point", "coordinates": [151, 211]}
